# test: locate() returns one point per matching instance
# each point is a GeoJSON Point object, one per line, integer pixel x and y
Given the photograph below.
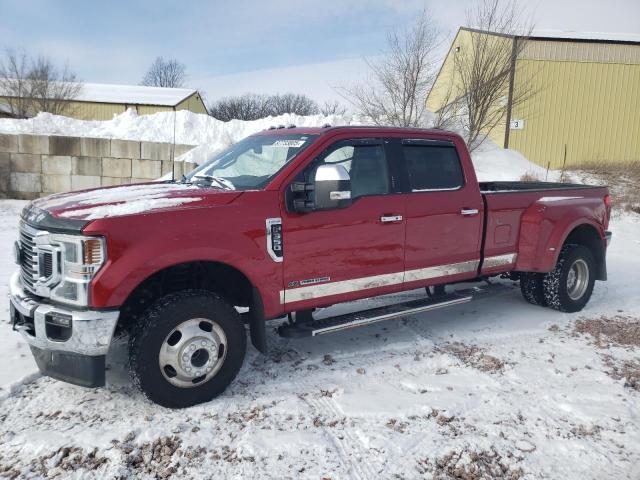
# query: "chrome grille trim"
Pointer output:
{"type": "Point", "coordinates": [37, 265]}
{"type": "Point", "coordinates": [29, 267]}
{"type": "Point", "coordinates": [47, 265]}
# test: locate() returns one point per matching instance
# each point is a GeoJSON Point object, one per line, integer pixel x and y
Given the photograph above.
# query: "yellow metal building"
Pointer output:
{"type": "Point", "coordinates": [98, 101]}
{"type": "Point", "coordinates": [586, 101]}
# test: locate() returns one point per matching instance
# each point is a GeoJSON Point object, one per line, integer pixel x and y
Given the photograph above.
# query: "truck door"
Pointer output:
{"type": "Point", "coordinates": [444, 214]}
{"type": "Point", "coordinates": [354, 252]}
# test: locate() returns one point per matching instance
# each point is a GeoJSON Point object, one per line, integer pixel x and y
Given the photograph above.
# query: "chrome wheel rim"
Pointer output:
{"type": "Point", "coordinates": [577, 279]}
{"type": "Point", "coordinates": [193, 352]}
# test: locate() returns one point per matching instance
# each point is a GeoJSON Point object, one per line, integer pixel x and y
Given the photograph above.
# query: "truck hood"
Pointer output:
{"type": "Point", "coordinates": [87, 205]}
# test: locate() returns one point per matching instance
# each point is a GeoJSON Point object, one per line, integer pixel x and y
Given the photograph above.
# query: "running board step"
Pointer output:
{"type": "Point", "coordinates": [373, 315]}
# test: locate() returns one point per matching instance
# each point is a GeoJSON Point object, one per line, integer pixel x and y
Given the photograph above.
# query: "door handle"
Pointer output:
{"type": "Point", "coordinates": [469, 211]}
{"type": "Point", "coordinates": [391, 218]}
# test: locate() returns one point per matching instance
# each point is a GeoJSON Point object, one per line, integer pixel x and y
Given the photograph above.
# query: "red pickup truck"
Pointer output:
{"type": "Point", "coordinates": [284, 222]}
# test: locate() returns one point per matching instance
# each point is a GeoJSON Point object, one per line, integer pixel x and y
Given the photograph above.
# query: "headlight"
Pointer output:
{"type": "Point", "coordinates": [76, 260]}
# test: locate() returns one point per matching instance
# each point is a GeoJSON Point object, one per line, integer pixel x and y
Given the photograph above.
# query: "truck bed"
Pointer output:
{"type": "Point", "coordinates": [520, 216]}
{"type": "Point", "coordinates": [505, 187]}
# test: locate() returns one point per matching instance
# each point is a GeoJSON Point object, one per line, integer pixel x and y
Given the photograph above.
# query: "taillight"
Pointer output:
{"type": "Point", "coordinates": [607, 208]}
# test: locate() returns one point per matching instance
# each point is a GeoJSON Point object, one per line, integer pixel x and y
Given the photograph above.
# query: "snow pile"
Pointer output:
{"type": "Point", "coordinates": [211, 135]}
{"type": "Point", "coordinates": [190, 128]}
{"type": "Point", "coordinates": [493, 163]}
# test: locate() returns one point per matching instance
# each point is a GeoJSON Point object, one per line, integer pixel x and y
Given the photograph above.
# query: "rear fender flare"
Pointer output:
{"type": "Point", "coordinates": [542, 236]}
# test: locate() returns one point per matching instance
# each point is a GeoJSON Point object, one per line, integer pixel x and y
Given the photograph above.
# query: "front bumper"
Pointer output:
{"type": "Point", "coordinates": [75, 353]}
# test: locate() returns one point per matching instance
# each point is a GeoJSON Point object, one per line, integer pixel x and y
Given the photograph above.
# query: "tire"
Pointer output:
{"type": "Point", "coordinates": [210, 342]}
{"type": "Point", "coordinates": [532, 288]}
{"type": "Point", "coordinates": [563, 293]}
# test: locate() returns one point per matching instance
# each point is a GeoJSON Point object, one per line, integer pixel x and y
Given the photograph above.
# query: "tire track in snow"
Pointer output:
{"type": "Point", "coordinates": [352, 451]}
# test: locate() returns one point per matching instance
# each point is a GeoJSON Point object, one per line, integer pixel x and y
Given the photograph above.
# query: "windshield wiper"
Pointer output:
{"type": "Point", "coordinates": [221, 182]}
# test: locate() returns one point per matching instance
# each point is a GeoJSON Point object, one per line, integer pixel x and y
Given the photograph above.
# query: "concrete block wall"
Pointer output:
{"type": "Point", "coordinates": [33, 166]}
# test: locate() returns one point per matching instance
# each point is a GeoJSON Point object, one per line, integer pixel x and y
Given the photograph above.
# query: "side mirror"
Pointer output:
{"type": "Point", "coordinates": [329, 189]}
{"type": "Point", "coordinates": [332, 187]}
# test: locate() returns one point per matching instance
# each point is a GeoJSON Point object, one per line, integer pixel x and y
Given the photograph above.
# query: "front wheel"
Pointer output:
{"type": "Point", "coordinates": [187, 348]}
{"type": "Point", "coordinates": [569, 286]}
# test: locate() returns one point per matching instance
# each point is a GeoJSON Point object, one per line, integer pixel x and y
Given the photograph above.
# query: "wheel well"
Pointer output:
{"type": "Point", "coordinates": [213, 276]}
{"type": "Point", "coordinates": [589, 237]}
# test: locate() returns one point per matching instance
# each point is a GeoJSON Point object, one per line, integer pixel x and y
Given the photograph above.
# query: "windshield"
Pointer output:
{"type": "Point", "coordinates": [251, 163]}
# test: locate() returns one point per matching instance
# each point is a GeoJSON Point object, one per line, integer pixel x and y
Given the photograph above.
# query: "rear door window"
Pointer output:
{"type": "Point", "coordinates": [432, 167]}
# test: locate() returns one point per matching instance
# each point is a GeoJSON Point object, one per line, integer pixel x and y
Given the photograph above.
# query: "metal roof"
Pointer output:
{"type": "Point", "coordinates": [133, 94]}
{"type": "Point", "coordinates": [568, 35]}
{"type": "Point", "coordinates": [130, 94]}
{"type": "Point", "coordinates": [586, 36]}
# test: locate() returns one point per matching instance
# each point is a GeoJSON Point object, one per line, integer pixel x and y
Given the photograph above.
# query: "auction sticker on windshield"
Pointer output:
{"type": "Point", "coordinates": [289, 143]}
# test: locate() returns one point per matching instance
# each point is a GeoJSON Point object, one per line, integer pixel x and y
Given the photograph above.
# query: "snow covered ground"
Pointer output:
{"type": "Point", "coordinates": [491, 389]}
{"type": "Point", "coordinates": [16, 363]}
{"type": "Point", "coordinates": [498, 387]}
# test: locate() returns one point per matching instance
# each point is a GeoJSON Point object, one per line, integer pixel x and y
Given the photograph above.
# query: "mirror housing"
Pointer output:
{"type": "Point", "coordinates": [332, 187]}
{"type": "Point", "coordinates": [329, 190]}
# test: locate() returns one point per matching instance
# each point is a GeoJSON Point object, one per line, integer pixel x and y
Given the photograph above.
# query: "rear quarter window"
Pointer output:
{"type": "Point", "coordinates": [433, 167]}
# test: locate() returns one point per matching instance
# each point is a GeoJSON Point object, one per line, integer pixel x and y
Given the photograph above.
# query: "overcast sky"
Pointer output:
{"type": "Point", "coordinates": [230, 47]}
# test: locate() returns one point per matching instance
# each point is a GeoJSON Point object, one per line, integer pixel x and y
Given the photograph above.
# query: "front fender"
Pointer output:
{"type": "Point", "coordinates": [118, 278]}
{"type": "Point", "coordinates": [139, 247]}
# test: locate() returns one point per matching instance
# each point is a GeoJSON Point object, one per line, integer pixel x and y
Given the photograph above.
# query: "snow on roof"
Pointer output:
{"type": "Point", "coordinates": [568, 35]}
{"type": "Point", "coordinates": [133, 94]}
{"type": "Point", "coordinates": [597, 36]}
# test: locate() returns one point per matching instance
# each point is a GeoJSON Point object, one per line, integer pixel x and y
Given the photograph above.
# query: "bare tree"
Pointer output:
{"type": "Point", "coordinates": [36, 85]}
{"type": "Point", "coordinates": [292, 103]}
{"type": "Point", "coordinates": [333, 108]}
{"type": "Point", "coordinates": [249, 106]}
{"type": "Point", "coordinates": [14, 83]}
{"type": "Point", "coordinates": [165, 73]}
{"type": "Point", "coordinates": [445, 117]}
{"type": "Point", "coordinates": [396, 91]}
{"type": "Point", "coordinates": [479, 95]}
{"type": "Point", "coordinates": [252, 106]}
{"type": "Point", "coordinates": [52, 88]}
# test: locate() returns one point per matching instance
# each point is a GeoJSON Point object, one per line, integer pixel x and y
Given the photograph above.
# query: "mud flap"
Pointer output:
{"type": "Point", "coordinates": [257, 326]}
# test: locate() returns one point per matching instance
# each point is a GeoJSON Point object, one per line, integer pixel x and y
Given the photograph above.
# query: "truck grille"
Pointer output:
{"type": "Point", "coordinates": [28, 257]}
{"type": "Point", "coordinates": [32, 269]}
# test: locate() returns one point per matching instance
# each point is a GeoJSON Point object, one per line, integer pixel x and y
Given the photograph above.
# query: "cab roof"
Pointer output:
{"type": "Point", "coordinates": [351, 129]}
